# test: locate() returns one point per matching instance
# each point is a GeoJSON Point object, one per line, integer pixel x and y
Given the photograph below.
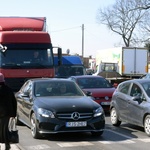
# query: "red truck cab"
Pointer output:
{"type": "Point", "coordinates": [20, 38]}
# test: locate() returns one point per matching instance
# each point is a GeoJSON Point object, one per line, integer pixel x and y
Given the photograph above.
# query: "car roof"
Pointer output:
{"type": "Point", "coordinates": [50, 79]}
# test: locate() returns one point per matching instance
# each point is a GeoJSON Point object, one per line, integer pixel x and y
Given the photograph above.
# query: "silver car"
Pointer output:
{"type": "Point", "coordinates": [131, 103]}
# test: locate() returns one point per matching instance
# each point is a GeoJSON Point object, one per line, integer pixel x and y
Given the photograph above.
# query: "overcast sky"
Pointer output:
{"type": "Point", "coordinates": [64, 22]}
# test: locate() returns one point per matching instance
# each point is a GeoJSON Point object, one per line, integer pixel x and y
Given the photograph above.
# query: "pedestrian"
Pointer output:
{"type": "Point", "coordinates": [8, 108]}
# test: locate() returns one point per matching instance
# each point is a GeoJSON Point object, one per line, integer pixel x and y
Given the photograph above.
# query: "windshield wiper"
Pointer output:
{"type": "Point", "coordinates": [38, 65]}
{"type": "Point", "coordinates": [12, 65]}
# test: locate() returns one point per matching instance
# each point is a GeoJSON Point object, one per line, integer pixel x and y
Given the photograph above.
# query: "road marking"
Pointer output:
{"type": "Point", "coordinates": [38, 147]}
{"type": "Point", "coordinates": [13, 147]}
{"type": "Point", "coordinates": [74, 144]}
{"type": "Point", "coordinates": [117, 142]}
{"type": "Point", "coordinates": [128, 137]}
{"type": "Point", "coordinates": [144, 140]}
{"type": "Point", "coordinates": [126, 140]}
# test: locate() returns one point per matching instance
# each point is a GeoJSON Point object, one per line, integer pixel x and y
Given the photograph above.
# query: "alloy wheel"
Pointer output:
{"type": "Point", "coordinates": [147, 125]}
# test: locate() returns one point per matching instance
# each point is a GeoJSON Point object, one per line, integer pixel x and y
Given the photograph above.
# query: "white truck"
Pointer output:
{"type": "Point", "coordinates": [122, 62]}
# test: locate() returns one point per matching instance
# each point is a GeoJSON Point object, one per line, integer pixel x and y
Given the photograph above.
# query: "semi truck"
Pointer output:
{"type": "Point", "coordinates": [71, 66]}
{"type": "Point", "coordinates": [122, 63]}
{"type": "Point", "coordinates": [20, 38]}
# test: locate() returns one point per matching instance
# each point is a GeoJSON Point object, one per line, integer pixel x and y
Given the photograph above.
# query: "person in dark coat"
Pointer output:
{"type": "Point", "coordinates": [8, 109]}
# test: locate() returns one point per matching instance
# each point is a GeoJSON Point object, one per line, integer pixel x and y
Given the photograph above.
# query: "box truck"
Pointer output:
{"type": "Point", "coordinates": [122, 62]}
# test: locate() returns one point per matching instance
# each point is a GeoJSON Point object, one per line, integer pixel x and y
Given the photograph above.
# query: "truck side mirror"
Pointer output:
{"type": "Point", "coordinates": [115, 85]}
{"type": "Point", "coordinates": [59, 56]}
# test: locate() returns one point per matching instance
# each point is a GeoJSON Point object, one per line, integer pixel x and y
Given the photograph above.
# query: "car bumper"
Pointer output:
{"type": "Point", "coordinates": [105, 104]}
{"type": "Point", "coordinates": [47, 126]}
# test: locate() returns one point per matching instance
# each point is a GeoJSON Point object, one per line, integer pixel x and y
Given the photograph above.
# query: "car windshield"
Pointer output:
{"type": "Point", "coordinates": [93, 83]}
{"type": "Point", "coordinates": [57, 88]}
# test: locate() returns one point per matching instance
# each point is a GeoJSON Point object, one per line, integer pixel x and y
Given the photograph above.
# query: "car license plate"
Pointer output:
{"type": "Point", "coordinates": [76, 124]}
{"type": "Point", "coordinates": [105, 103]}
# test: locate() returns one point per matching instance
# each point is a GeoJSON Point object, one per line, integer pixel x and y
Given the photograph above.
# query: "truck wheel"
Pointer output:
{"type": "Point", "coordinates": [34, 129]}
{"type": "Point", "coordinates": [114, 117]}
{"type": "Point", "coordinates": [147, 125]}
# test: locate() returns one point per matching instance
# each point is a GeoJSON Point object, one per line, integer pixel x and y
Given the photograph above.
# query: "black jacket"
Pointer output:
{"type": "Point", "coordinates": [8, 103]}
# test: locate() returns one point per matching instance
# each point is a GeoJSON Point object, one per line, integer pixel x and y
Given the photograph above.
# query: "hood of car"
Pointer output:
{"type": "Point", "coordinates": [66, 104]}
{"type": "Point", "coordinates": [100, 92]}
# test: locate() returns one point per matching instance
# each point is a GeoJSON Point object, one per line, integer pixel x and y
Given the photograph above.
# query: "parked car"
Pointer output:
{"type": "Point", "coordinates": [100, 88]}
{"type": "Point", "coordinates": [57, 105]}
{"type": "Point", "coordinates": [131, 103]}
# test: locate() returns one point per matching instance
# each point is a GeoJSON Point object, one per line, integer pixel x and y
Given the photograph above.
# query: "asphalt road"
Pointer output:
{"type": "Point", "coordinates": [125, 137]}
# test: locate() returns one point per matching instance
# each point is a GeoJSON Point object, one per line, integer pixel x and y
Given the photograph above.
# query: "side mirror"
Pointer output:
{"type": "Point", "coordinates": [88, 93]}
{"type": "Point", "coordinates": [115, 85]}
{"type": "Point", "coordinates": [137, 98]}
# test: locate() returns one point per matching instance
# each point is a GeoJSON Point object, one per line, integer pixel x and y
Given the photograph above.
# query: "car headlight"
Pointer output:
{"type": "Point", "coordinates": [98, 112]}
{"type": "Point", "coordinates": [45, 113]}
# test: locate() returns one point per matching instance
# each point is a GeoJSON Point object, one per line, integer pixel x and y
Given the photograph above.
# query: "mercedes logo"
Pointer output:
{"type": "Point", "coordinates": [75, 115]}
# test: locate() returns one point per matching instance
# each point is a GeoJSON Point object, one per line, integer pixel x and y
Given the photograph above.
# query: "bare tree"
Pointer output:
{"type": "Point", "coordinates": [144, 4]}
{"type": "Point", "coordinates": [145, 28]}
{"type": "Point", "coordinates": [122, 18]}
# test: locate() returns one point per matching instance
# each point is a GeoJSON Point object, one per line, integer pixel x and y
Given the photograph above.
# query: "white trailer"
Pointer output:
{"type": "Point", "coordinates": [126, 61]}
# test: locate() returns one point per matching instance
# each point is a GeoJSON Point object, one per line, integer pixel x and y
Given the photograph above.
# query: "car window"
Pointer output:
{"type": "Point", "coordinates": [147, 76]}
{"type": "Point", "coordinates": [146, 87]}
{"type": "Point", "coordinates": [135, 90]}
{"type": "Point", "coordinates": [123, 88]}
{"type": "Point", "coordinates": [93, 83]}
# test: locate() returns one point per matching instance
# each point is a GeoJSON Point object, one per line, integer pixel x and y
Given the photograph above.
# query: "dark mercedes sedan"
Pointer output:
{"type": "Point", "coordinates": [57, 105]}
{"type": "Point", "coordinates": [131, 103]}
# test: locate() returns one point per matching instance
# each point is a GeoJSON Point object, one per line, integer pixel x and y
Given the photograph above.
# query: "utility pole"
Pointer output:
{"type": "Point", "coordinates": [82, 41]}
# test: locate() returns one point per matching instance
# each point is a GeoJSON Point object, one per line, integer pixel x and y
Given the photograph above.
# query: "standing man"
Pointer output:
{"type": "Point", "coordinates": [37, 57]}
{"type": "Point", "coordinates": [8, 109]}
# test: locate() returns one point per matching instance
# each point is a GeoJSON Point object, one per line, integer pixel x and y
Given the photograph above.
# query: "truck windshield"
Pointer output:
{"type": "Point", "coordinates": [67, 71]}
{"type": "Point", "coordinates": [109, 67]}
{"type": "Point", "coordinates": [26, 58]}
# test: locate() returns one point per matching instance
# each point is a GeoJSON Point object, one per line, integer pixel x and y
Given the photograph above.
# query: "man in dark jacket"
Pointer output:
{"type": "Point", "coordinates": [8, 109]}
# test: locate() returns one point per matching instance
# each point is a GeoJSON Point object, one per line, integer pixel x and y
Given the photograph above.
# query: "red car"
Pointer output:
{"type": "Point", "coordinates": [100, 88]}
